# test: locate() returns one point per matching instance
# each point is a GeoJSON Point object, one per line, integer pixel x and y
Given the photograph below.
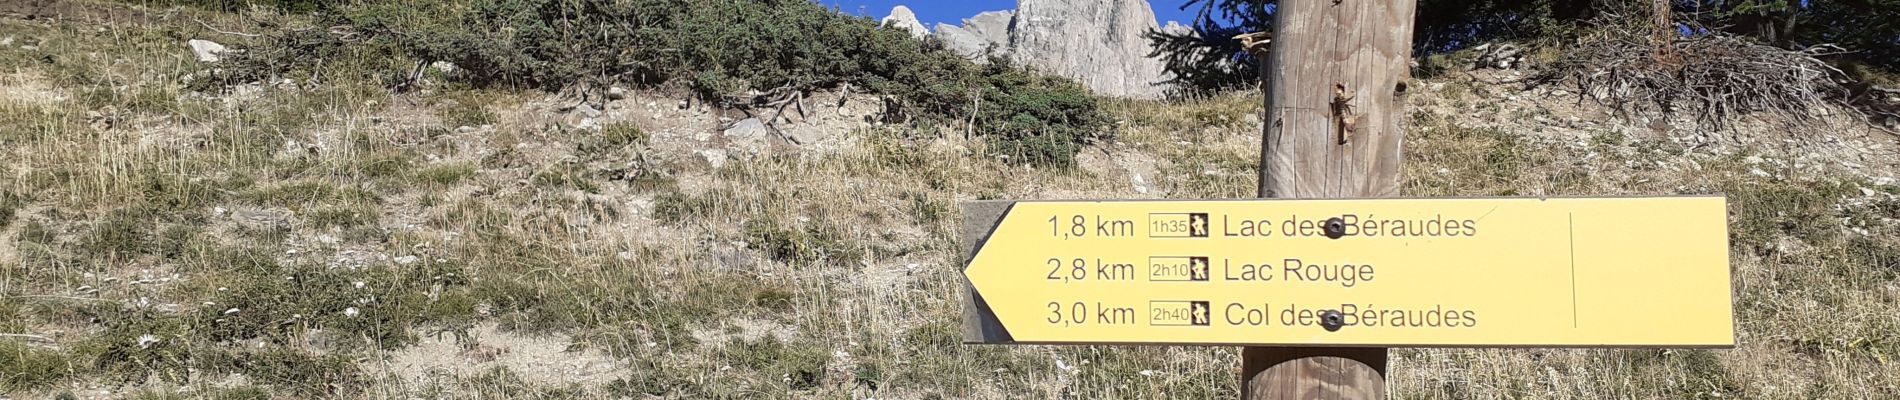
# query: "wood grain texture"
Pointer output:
{"type": "Point", "coordinates": [1319, 47]}
{"type": "Point", "coordinates": [1336, 78]}
{"type": "Point", "coordinates": [1313, 373]}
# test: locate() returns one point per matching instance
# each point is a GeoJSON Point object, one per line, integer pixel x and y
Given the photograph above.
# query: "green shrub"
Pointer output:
{"type": "Point", "coordinates": [242, 393]}
{"type": "Point", "coordinates": [241, 5]}
{"type": "Point", "coordinates": [377, 305]}
{"type": "Point", "coordinates": [467, 108]}
{"type": "Point", "coordinates": [678, 208]}
{"type": "Point", "coordinates": [611, 137]}
{"type": "Point", "coordinates": [9, 205]}
{"type": "Point", "coordinates": [344, 217]}
{"type": "Point", "coordinates": [798, 366]}
{"type": "Point", "coordinates": [566, 175]}
{"type": "Point", "coordinates": [1802, 210]}
{"type": "Point", "coordinates": [26, 367]}
{"type": "Point", "coordinates": [305, 374]}
{"type": "Point", "coordinates": [806, 245]}
{"type": "Point", "coordinates": [1037, 119]}
{"type": "Point", "coordinates": [137, 345]}
{"type": "Point", "coordinates": [121, 233]}
{"type": "Point", "coordinates": [445, 175]}
{"type": "Point", "coordinates": [729, 53]}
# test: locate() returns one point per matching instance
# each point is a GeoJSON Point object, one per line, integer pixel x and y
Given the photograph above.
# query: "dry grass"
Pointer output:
{"type": "Point", "coordinates": [335, 241]}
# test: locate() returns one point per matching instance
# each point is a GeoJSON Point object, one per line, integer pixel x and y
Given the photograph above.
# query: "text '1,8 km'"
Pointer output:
{"type": "Point", "coordinates": [1078, 226]}
{"type": "Point", "coordinates": [1505, 272]}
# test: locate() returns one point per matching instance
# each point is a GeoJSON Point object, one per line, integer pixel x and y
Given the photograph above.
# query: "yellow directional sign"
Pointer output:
{"type": "Point", "coordinates": [1505, 272]}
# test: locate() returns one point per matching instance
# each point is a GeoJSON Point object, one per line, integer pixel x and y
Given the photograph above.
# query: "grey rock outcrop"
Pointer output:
{"type": "Point", "coordinates": [902, 17]}
{"type": "Point", "coordinates": [747, 130]}
{"type": "Point", "coordinates": [748, 137]}
{"type": "Point", "coordinates": [979, 36]}
{"type": "Point", "coordinates": [991, 25]}
{"type": "Point", "coordinates": [965, 43]}
{"type": "Point", "coordinates": [1096, 42]}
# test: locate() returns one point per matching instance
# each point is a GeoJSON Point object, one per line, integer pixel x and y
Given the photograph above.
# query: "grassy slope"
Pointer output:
{"type": "Point", "coordinates": [240, 231]}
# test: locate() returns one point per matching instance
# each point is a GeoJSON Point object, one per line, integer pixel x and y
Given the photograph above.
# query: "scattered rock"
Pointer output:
{"type": "Point", "coordinates": [902, 17]}
{"type": "Point", "coordinates": [806, 135]}
{"type": "Point", "coordinates": [587, 111]}
{"type": "Point", "coordinates": [746, 130]}
{"type": "Point", "coordinates": [714, 157]}
{"type": "Point", "coordinates": [616, 93]}
{"type": "Point", "coordinates": [207, 51]}
{"type": "Point", "coordinates": [749, 137]}
{"type": "Point", "coordinates": [406, 260]}
{"type": "Point", "coordinates": [443, 67]}
{"type": "Point", "coordinates": [1502, 56]}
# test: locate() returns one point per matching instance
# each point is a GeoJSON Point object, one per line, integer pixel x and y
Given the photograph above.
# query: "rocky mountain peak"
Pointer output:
{"type": "Point", "coordinates": [902, 17]}
{"type": "Point", "coordinates": [1099, 43]}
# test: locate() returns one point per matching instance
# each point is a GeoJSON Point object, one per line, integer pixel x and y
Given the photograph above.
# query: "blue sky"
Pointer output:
{"type": "Point", "coordinates": [953, 12]}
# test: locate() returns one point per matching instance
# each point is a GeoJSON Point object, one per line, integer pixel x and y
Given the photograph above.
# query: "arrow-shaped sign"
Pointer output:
{"type": "Point", "coordinates": [1563, 272]}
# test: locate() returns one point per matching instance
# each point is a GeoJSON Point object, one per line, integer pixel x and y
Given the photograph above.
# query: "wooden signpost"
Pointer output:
{"type": "Point", "coordinates": [1318, 288]}
{"type": "Point", "coordinates": [1521, 272]}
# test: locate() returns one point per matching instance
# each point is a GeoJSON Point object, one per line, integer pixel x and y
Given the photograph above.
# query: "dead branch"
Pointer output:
{"type": "Point", "coordinates": [1714, 77]}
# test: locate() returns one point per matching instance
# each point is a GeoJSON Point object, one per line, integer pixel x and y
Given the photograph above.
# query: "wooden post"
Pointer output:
{"type": "Point", "coordinates": [1337, 74]}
